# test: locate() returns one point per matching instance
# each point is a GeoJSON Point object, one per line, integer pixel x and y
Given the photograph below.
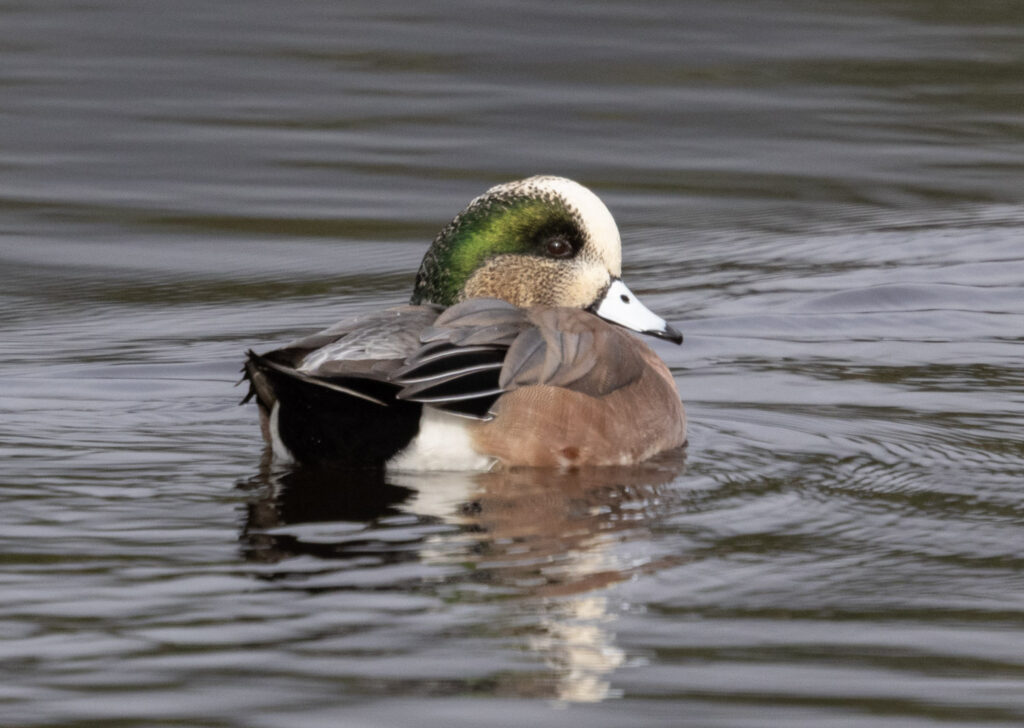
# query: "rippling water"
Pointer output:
{"type": "Point", "coordinates": [825, 198]}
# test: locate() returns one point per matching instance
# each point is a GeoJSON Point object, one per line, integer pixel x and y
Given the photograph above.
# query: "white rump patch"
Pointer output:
{"type": "Point", "coordinates": [443, 443]}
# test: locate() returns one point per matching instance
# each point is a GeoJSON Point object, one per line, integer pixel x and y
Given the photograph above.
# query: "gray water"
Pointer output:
{"type": "Point", "coordinates": [826, 198]}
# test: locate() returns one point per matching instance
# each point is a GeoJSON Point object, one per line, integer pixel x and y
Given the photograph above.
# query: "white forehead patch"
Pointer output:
{"type": "Point", "coordinates": [597, 220]}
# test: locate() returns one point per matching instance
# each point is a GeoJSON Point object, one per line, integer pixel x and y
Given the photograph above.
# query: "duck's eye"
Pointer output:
{"type": "Point", "coordinates": [559, 248]}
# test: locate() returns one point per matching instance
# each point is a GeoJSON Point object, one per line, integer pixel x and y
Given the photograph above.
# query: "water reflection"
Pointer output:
{"type": "Point", "coordinates": [539, 543]}
{"type": "Point", "coordinates": [302, 497]}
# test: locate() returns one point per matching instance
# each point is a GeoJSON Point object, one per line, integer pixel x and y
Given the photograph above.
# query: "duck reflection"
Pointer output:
{"type": "Point", "coordinates": [554, 538]}
{"type": "Point", "coordinates": [305, 497]}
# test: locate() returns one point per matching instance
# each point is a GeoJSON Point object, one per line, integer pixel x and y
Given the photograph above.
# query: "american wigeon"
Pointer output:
{"type": "Point", "coordinates": [511, 352]}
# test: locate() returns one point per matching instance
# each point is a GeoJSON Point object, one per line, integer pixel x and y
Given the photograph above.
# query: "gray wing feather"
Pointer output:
{"type": "Point", "coordinates": [524, 359]}
{"type": "Point", "coordinates": [558, 347]}
{"type": "Point", "coordinates": [370, 345]}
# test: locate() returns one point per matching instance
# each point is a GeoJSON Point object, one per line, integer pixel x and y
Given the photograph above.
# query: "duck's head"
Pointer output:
{"type": "Point", "coordinates": [539, 241]}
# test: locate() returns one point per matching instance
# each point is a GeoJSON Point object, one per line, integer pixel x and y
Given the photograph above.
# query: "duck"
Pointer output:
{"type": "Point", "coordinates": [516, 349]}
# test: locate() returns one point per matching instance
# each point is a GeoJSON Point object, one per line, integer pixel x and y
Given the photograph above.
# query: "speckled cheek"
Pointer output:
{"type": "Point", "coordinates": [530, 281]}
{"type": "Point", "coordinates": [520, 280]}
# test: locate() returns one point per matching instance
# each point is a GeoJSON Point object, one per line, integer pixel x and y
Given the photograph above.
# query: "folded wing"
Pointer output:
{"type": "Point", "coordinates": [479, 349]}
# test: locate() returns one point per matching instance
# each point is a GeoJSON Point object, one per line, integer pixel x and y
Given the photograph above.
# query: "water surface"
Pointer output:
{"type": "Point", "coordinates": [825, 200]}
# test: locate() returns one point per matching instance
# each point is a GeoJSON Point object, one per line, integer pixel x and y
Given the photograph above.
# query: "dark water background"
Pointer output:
{"type": "Point", "coordinates": [825, 197]}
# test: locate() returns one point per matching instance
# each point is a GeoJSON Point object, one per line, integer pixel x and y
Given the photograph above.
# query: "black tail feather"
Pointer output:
{"type": "Point", "coordinates": [336, 420]}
